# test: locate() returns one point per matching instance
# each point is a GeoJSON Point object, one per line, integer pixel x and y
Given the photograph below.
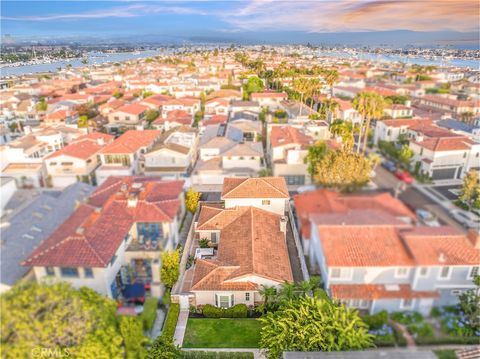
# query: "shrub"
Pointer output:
{"type": "Point", "coordinates": [406, 318]}
{"type": "Point", "coordinates": [376, 321]}
{"type": "Point", "coordinates": [194, 354]}
{"type": "Point", "coordinates": [435, 312]}
{"type": "Point", "coordinates": [203, 243]}
{"type": "Point", "coordinates": [420, 330]}
{"type": "Point", "coordinates": [166, 297]}
{"type": "Point", "coordinates": [149, 313]}
{"type": "Point", "coordinates": [237, 311]}
{"type": "Point", "coordinates": [171, 321]}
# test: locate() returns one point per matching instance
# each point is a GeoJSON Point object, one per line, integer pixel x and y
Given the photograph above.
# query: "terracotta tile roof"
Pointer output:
{"type": "Point", "coordinates": [93, 233]}
{"type": "Point", "coordinates": [446, 144]}
{"type": "Point", "coordinates": [378, 291]}
{"type": "Point", "coordinates": [251, 244]}
{"type": "Point", "coordinates": [263, 187]}
{"type": "Point", "coordinates": [324, 201]}
{"type": "Point", "coordinates": [134, 109]}
{"type": "Point", "coordinates": [215, 119]}
{"type": "Point", "coordinates": [407, 122]}
{"type": "Point", "coordinates": [363, 246]}
{"type": "Point", "coordinates": [84, 147]}
{"type": "Point", "coordinates": [131, 141]}
{"type": "Point", "coordinates": [270, 94]}
{"type": "Point", "coordinates": [285, 135]}
{"type": "Point", "coordinates": [441, 246]}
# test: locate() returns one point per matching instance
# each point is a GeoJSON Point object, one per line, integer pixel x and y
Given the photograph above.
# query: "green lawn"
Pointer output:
{"type": "Point", "coordinates": [222, 333]}
{"type": "Point", "coordinates": [445, 354]}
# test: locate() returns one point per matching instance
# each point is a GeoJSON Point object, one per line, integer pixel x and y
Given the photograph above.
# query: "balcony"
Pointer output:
{"type": "Point", "coordinates": [142, 243]}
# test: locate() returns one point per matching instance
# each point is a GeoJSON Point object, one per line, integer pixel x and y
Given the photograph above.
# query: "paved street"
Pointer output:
{"type": "Point", "coordinates": [412, 197]}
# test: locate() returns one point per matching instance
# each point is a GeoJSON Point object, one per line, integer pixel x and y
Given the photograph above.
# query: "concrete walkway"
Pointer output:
{"type": "Point", "coordinates": [257, 354]}
{"type": "Point", "coordinates": [408, 337]}
{"type": "Point", "coordinates": [181, 327]}
{"type": "Point", "coordinates": [158, 324]}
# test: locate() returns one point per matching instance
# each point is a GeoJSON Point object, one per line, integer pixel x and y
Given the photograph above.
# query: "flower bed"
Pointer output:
{"type": "Point", "coordinates": [378, 326]}
{"type": "Point", "coordinates": [414, 323]}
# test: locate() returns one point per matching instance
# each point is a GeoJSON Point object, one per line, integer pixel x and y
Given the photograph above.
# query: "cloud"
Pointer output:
{"type": "Point", "coordinates": [115, 12]}
{"type": "Point", "coordinates": [356, 15]}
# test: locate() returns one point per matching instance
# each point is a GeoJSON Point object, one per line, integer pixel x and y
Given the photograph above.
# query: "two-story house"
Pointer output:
{"type": "Point", "coordinates": [77, 161]}
{"type": "Point", "coordinates": [122, 156]}
{"type": "Point", "coordinates": [127, 116]}
{"type": "Point", "coordinates": [247, 244]}
{"type": "Point", "coordinates": [115, 239]}
{"type": "Point", "coordinates": [173, 155]}
{"type": "Point", "coordinates": [371, 255]}
{"type": "Point", "coordinates": [287, 152]}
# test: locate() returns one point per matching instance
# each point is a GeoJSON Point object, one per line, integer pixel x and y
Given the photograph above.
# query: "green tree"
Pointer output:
{"type": "Point", "coordinates": [329, 106]}
{"type": "Point", "coordinates": [117, 94]}
{"type": "Point", "coordinates": [170, 270]}
{"type": "Point", "coordinates": [82, 121]}
{"type": "Point", "coordinates": [331, 77]}
{"type": "Point", "coordinates": [470, 304]}
{"type": "Point", "coordinates": [315, 153]}
{"type": "Point", "coordinates": [131, 329]}
{"type": "Point", "coordinates": [57, 316]}
{"type": "Point", "coordinates": [470, 191]}
{"type": "Point", "coordinates": [405, 155]}
{"type": "Point", "coordinates": [42, 105]}
{"type": "Point", "coordinates": [254, 84]}
{"type": "Point", "coordinates": [147, 94]}
{"type": "Point", "coordinates": [269, 295]}
{"type": "Point", "coordinates": [151, 115]}
{"type": "Point", "coordinates": [313, 324]}
{"type": "Point", "coordinates": [370, 105]}
{"type": "Point", "coordinates": [344, 129]}
{"type": "Point", "coordinates": [343, 170]}
{"type": "Point", "coordinates": [164, 348]}
{"type": "Point", "coordinates": [192, 198]}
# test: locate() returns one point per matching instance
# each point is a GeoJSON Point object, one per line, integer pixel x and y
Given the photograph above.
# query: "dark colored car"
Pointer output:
{"type": "Point", "coordinates": [389, 166]}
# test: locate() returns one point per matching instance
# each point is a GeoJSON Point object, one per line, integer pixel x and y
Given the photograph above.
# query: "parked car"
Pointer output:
{"type": "Point", "coordinates": [467, 219]}
{"type": "Point", "coordinates": [427, 218]}
{"type": "Point", "coordinates": [404, 176]}
{"type": "Point", "coordinates": [389, 166]}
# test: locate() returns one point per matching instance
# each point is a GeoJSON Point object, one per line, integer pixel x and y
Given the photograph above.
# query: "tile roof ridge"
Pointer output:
{"type": "Point", "coordinates": [103, 190]}
{"type": "Point", "coordinates": [271, 185]}
{"type": "Point", "coordinates": [221, 210]}
{"type": "Point", "coordinates": [54, 246]}
{"type": "Point", "coordinates": [95, 252]}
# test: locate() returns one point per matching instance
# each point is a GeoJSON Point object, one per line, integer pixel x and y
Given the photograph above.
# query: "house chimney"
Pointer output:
{"type": "Point", "coordinates": [283, 224]}
{"type": "Point", "coordinates": [132, 201]}
{"type": "Point", "coordinates": [474, 238]}
{"type": "Point", "coordinates": [80, 230]}
{"type": "Point", "coordinates": [100, 141]}
{"type": "Point", "coordinates": [442, 258]}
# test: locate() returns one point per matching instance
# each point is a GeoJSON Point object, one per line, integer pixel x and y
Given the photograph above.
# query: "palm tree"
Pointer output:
{"type": "Point", "coordinates": [329, 106]}
{"type": "Point", "coordinates": [331, 77]}
{"type": "Point", "coordinates": [467, 117]}
{"type": "Point", "coordinates": [305, 287]}
{"type": "Point", "coordinates": [287, 291]}
{"type": "Point", "coordinates": [369, 105]}
{"type": "Point", "coordinates": [344, 129]}
{"type": "Point", "coordinates": [268, 293]}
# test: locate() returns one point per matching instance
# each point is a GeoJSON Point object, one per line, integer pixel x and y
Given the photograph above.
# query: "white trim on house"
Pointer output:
{"type": "Point", "coordinates": [470, 276]}
{"type": "Point", "coordinates": [449, 274]}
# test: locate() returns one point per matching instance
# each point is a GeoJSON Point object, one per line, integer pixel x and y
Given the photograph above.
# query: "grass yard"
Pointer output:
{"type": "Point", "coordinates": [222, 333]}
{"type": "Point", "coordinates": [445, 354]}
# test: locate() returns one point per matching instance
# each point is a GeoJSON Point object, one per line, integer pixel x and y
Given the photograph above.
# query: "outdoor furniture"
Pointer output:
{"type": "Point", "coordinates": [202, 252]}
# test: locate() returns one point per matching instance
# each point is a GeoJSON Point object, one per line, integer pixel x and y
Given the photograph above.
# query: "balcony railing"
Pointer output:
{"type": "Point", "coordinates": [147, 244]}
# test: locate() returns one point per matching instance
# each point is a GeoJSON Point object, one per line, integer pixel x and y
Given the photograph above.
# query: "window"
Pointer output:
{"type": "Point", "coordinates": [456, 291]}
{"type": "Point", "coordinates": [473, 272]}
{"type": "Point", "coordinates": [67, 163]}
{"type": "Point", "coordinates": [401, 272]}
{"type": "Point", "coordinates": [69, 272]}
{"type": "Point", "coordinates": [127, 118]}
{"type": "Point", "coordinates": [423, 272]}
{"type": "Point", "coordinates": [50, 271]}
{"type": "Point", "coordinates": [341, 273]}
{"type": "Point", "coordinates": [88, 272]}
{"type": "Point", "coordinates": [444, 273]}
{"type": "Point", "coordinates": [53, 163]}
{"type": "Point", "coordinates": [214, 237]}
{"type": "Point", "coordinates": [247, 297]}
{"type": "Point", "coordinates": [295, 180]}
{"type": "Point", "coordinates": [224, 300]}
{"type": "Point", "coordinates": [406, 304]}
{"type": "Point", "coordinates": [265, 202]}
{"type": "Point", "coordinates": [465, 155]}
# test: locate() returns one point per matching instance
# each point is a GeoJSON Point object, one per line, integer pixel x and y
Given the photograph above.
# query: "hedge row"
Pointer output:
{"type": "Point", "coordinates": [384, 342]}
{"type": "Point", "coordinates": [171, 321]}
{"type": "Point", "coordinates": [447, 340]}
{"type": "Point", "coordinates": [149, 313]}
{"type": "Point", "coordinates": [237, 311]}
{"type": "Point", "coordinates": [216, 355]}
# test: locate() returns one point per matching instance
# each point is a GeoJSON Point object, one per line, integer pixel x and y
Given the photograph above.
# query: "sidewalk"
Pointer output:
{"type": "Point", "coordinates": [257, 354]}
{"type": "Point", "coordinates": [181, 327]}
{"type": "Point", "coordinates": [157, 325]}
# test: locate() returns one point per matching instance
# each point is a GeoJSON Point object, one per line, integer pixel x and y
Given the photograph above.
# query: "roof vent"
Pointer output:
{"type": "Point", "coordinates": [392, 287]}
{"type": "Point", "coordinates": [283, 224]}
{"type": "Point", "coordinates": [132, 201]}
{"type": "Point", "coordinates": [442, 258]}
{"type": "Point", "coordinates": [80, 230]}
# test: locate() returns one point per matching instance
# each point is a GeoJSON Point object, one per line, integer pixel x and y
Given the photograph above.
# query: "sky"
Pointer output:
{"type": "Point", "coordinates": [229, 19]}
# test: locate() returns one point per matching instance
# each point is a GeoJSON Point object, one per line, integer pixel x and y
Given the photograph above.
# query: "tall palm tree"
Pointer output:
{"type": "Point", "coordinates": [287, 291]}
{"type": "Point", "coordinates": [331, 77]}
{"type": "Point", "coordinates": [329, 106]}
{"type": "Point", "coordinates": [268, 293]}
{"type": "Point", "coordinates": [370, 105]}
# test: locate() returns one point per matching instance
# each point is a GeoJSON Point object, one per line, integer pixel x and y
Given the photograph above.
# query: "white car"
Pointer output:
{"type": "Point", "coordinates": [467, 219]}
{"type": "Point", "coordinates": [427, 218]}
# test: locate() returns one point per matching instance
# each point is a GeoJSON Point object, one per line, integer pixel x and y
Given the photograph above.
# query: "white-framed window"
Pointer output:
{"type": "Point", "coordinates": [456, 291]}
{"type": "Point", "coordinates": [473, 272]}
{"type": "Point", "coordinates": [247, 297]}
{"type": "Point", "coordinates": [423, 272]}
{"type": "Point", "coordinates": [341, 273]}
{"type": "Point", "coordinates": [402, 272]}
{"type": "Point", "coordinates": [445, 273]}
{"type": "Point", "coordinates": [224, 300]}
{"type": "Point", "coordinates": [265, 202]}
{"type": "Point", "coordinates": [406, 303]}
